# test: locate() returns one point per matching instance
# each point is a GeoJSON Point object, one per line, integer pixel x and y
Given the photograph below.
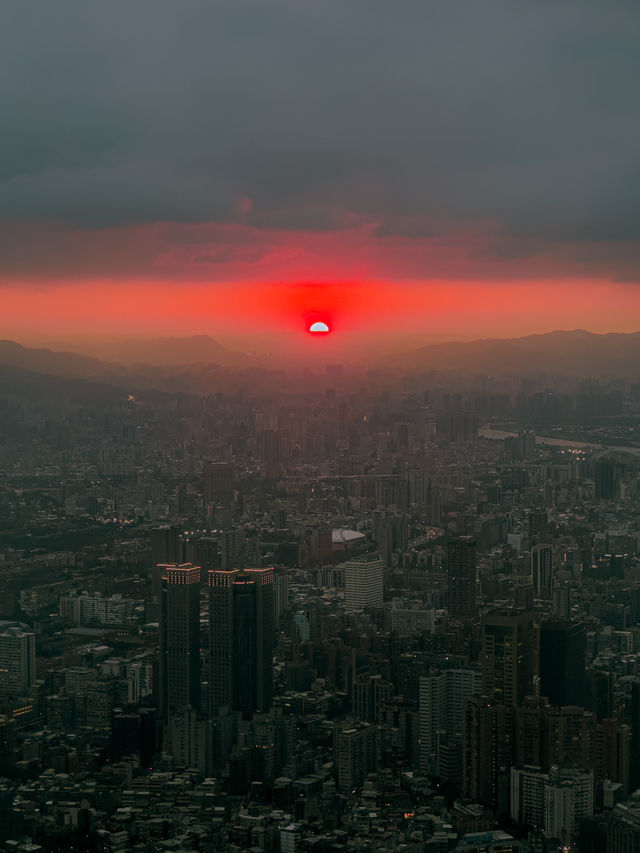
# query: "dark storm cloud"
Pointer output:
{"type": "Point", "coordinates": [519, 112]}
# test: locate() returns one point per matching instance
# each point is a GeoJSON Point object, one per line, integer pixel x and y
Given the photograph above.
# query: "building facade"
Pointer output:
{"type": "Point", "coordinates": [179, 669]}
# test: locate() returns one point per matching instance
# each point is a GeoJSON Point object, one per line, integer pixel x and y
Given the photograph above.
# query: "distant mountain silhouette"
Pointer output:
{"type": "Point", "coordinates": [166, 351]}
{"type": "Point", "coordinates": [570, 353]}
{"type": "Point", "coordinates": [172, 362]}
{"type": "Point", "coordinates": [50, 363]}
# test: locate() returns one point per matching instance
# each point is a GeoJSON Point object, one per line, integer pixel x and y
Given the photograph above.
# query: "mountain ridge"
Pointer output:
{"type": "Point", "coordinates": [165, 351]}
{"type": "Point", "coordinates": [577, 352]}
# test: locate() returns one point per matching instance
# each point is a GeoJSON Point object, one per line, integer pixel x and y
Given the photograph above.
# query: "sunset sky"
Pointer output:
{"type": "Point", "coordinates": [411, 169]}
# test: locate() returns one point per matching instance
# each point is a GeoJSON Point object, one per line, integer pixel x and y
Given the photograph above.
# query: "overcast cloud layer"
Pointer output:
{"type": "Point", "coordinates": [412, 115]}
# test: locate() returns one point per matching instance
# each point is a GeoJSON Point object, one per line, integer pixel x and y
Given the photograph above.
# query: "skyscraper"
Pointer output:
{"type": "Point", "coordinates": [461, 576]}
{"type": "Point", "coordinates": [508, 656]}
{"type": "Point", "coordinates": [607, 478]}
{"type": "Point", "coordinates": [538, 522]}
{"type": "Point", "coordinates": [562, 600]}
{"type": "Point", "coordinates": [219, 482]}
{"type": "Point", "coordinates": [486, 752]}
{"type": "Point", "coordinates": [165, 544]}
{"type": "Point", "coordinates": [562, 662]}
{"type": "Point", "coordinates": [635, 734]}
{"type": "Point", "coordinates": [554, 801]}
{"type": "Point", "coordinates": [542, 570]}
{"type": "Point", "coordinates": [443, 696]}
{"type": "Point", "coordinates": [623, 827]}
{"type": "Point", "coordinates": [241, 640]}
{"type": "Point", "coordinates": [17, 660]}
{"type": "Point", "coordinates": [179, 638]}
{"type": "Point", "coordinates": [355, 746]}
{"type": "Point", "coordinates": [166, 548]}
{"type": "Point", "coordinates": [363, 583]}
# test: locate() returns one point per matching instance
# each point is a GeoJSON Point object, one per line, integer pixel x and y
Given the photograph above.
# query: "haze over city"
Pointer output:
{"type": "Point", "coordinates": [320, 426]}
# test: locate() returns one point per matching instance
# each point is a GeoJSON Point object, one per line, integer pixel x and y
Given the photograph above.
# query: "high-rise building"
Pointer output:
{"type": "Point", "coordinates": [132, 733]}
{"type": "Point", "coordinates": [356, 753]}
{"type": "Point", "coordinates": [283, 438]}
{"type": "Point", "coordinates": [623, 827]}
{"type": "Point", "coordinates": [614, 759]}
{"type": "Point", "coordinates": [17, 660]}
{"type": "Point", "coordinates": [203, 551]}
{"type": "Point", "coordinates": [542, 570]}
{"type": "Point", "coordinates": [554, 801]}
{"type": "Point", "coordinates": [8, 739]}
{"type": "Point", "coordinates": [607, 479]}
{"type": "Point", "coordinates": [599, 693]}
{"type": "Point", "coordinates": [457, 427]}
{"type": "Point", "coordinates": [343, 419]}
{"type": "Point", "coordinates": [635, 735]}
{"type": "Point", "coordinates": [562, 662]}
{"type": "Point", "coordinates": [166, 547]}
{"type": "Point", "coordinates": [179, 671]}
{"type": "Point", "coordinates": [290, 838]}
{"type": "Point", "coordinates": [443, 696]}
{"type": "Point", "coordinates": [571, 737]}
{"type": "Point", "coordinates": [269, 447]}
{"type": "Point", "coordinates": [418, 486]}
{"type": "Point", "coordinates": [486, 752]}
{"type": "Point", "coordinates": [191, 741]}
{"type": "Point", "coordinates": [219, 482]}
{"type": "Point", "coordinates": [538, 522]}
{"type": "Point", "coordinates": [241, 640]}
{"type": "Point", "coordinates": [461, 576]}
{"type": "Point", "coordinates": [508, 656]}
{"type": "Point", "coordinates": [363, 583]}
{"type": "Point", "coordinates": [562, 600]}
{"type": "Point", "coordinates": [529, 732]}
{"type": "Point", "coordinates": [399, 728]}
{"type": "Point", "coordinates": [368, 694]}
{"type": "Point", "coordinates": [165, 544]}
{"type": "Point", "coordinates": [527, 443]}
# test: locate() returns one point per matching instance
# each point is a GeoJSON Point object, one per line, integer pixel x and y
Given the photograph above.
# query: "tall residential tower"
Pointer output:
{"type": "Point", "coordinates": [241, 640]}
{"type": "Point", "coordinates": [461, 576]}
{"type": "Point", "coordinates": [179, 638]}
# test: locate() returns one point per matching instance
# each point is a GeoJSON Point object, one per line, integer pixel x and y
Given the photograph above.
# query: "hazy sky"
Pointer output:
{"type": "Point", "coordinates": [453, 168]}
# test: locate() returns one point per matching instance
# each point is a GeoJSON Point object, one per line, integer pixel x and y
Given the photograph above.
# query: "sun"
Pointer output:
{"type": "Point", "coordinates": [318, 325]}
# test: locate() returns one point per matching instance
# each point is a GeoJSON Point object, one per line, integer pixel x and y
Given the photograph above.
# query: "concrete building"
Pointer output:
{"type": "Point", "coordinates": [219, 482]}
{"type": "Point", "coordinates": [179, 669]}
{"type": "Point", "coordinates": [623, 827]}
{"type": "Point", "coordinates": [17, 660]}
{"type": "Point", "coordinates": [364, 583]}
{"type": "Point", "coordinates": [410, 617]}
{"type": "Point", "coordinates": [562, 662]}
{"type": "Point", "coordinates": [542, 571]}
{"type": "Point", "coordinates": [508, 655]}
{"type": "Point", "coordinates": [241, 640]}
{"type": "Point", "coordinates": [554, 801]}
{"type": "Point", "coordinates": [461, 576]}
{"type": "Point", "coordinates": [492, 841]}
{"type": "Point", "coordinates": [191, 741]}
{"type": "Point", "coordinates": [356, 753]}
{"type": "Point", "coordinates": [486, 753]}
{"type": "Point", "coordinates": [442, 701]}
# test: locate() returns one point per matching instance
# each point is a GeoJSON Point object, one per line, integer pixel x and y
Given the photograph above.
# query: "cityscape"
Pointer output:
{"type": "Point", "coordinates": [390, 618]}
{"type": "Point", "coordinates": [319, 426]}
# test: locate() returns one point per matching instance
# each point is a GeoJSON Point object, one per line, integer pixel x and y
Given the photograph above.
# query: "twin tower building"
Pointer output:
{"type": "Point", "coordinates": [236, 672]}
